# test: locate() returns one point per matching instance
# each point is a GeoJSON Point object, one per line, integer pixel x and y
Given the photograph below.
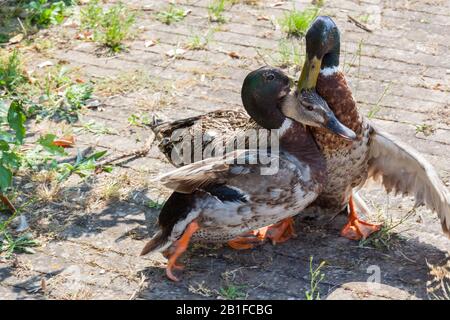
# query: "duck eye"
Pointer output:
{"type": "Point", "coordinates": [309, 107]}
{"type": "Point", "coordinates": [270, 77]}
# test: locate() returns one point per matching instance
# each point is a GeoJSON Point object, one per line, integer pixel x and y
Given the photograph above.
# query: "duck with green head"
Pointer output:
{"type": "Point", "coordinates": [374, 155]}
{"type": "Point", "coordinates": [229, 198]}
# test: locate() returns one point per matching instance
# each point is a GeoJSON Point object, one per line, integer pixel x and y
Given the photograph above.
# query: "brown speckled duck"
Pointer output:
{"type": "Point", "coordinates": [375, 155]}
{"type": "Point", "coordinates": [228, 198]}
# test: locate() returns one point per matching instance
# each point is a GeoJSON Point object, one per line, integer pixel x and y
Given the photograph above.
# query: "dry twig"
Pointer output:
{"type": "Point", "coordinates": [8, 203]}
{"type": "Point", "coordinates": [132, 154]}
{"type": "Point", "coordinates": [358, 24]}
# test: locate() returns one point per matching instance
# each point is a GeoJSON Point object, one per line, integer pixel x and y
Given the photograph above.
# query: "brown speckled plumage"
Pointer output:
{"type": "Point", "coordinates": [337, 94]}
{"type": "Point", "coordinates": [220, 123]}
{"type": "Point", "coordinates": [304, 148]}
{"type": "Point", "coordinates": [259, 199]}
{"type": "Point", "coordinates": [346, 161]}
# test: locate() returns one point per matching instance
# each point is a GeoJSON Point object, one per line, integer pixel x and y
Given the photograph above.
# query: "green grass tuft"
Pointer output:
{"type": "Point", "coordinates": [11, 73]}
{"type": "Point", "coordinates": [44, 13]}
{"type": "Point", "coordinates": [171, 15]}
{"type": "Point", "coordinates": [110, 27]}
{"type": "Point", "coordinates": [116, 25]}
{"type": "Point", "coordinates": [22, 244]}
{"type": "Point", "coordinates": [198, 41]}
{"type": "Point", "coordinates": [295, 23]}
{"type": "Point", "coordinates": [315, 277]}
{"type": "Point", "coordinates": [90, 15]}
{"type": "Point", "coordinates": [232, 292]}
{"type": "Point", "coordinates": [215, 11]}
{"type": "Point", "coordinates": [388, 235]}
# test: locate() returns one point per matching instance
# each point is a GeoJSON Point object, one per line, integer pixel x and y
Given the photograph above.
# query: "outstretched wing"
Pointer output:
{"type": "Point", "coordinates": [402, 170]}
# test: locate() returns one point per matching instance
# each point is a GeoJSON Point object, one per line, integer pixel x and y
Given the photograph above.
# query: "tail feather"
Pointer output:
{"type": "Point", "coordinates": [158, 242]}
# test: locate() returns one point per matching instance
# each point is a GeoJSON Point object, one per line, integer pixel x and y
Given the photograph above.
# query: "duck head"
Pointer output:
{"type": "Point", "coordinates": [322, 50]}
{"type": "Point", "coordinates": [312, 110]}
{"type": "Point", "coordinates": [263, 92]}
{"type": "Point", "coordinates": [266, 98]}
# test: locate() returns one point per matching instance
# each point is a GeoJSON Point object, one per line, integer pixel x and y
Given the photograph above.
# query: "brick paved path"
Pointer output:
{"type": "Point", "coordinates": [400, 73]}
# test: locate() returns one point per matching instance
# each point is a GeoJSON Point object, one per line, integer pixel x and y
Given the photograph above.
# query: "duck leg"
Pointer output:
{"type": "Point", "coordinates": [180, 246]}
{"type": "Point", "coordinates": [281, 231]}
{"type": "Point", "coordinates": [277, 233]}
{"type": "Point", "coordinates": [249, 240]}
{"type": "Point", "coordinates": [356, 229]}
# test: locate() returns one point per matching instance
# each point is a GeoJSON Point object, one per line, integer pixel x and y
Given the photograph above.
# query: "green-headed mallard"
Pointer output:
{"type": "Point", "coordinates": [222, 126]}
{"type": "Point", "coordinates": [375, 155]}
{"type": "Point", "coordinates": [226, 198]}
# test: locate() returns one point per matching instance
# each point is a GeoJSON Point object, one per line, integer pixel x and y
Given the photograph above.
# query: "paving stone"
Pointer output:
{"type": "Point", "coordinates": [369, 291]}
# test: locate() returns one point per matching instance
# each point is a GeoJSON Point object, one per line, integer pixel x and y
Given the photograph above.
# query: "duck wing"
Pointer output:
{"type": "Point", "coordinates": [214, 171]}
{"type": "Point", "coordinates": [403, 170]}
{"type": "Point", "coordinates": [209, 126]}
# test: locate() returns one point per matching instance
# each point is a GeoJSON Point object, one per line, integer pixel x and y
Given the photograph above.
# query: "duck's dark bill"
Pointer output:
{"type": "Point", "coordinates": [338, 128]}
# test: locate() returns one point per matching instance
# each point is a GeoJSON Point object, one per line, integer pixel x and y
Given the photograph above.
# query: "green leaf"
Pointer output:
{"type": "Point", "coordinates": [11, 159]}
{"type": "Point", "coordinates": [5, 177]}
{"type": "Point", "coordinates": [4, 146]}
{"type": "Point", "coordinates": [77, 94]}
{"type": "Point", "coordinates": [47, 142]}
{"type": "Point", "coordinates": [107, 169]}
{"type": "Point", "coordinates": [7, 137]}
{"type": "Point", "coordinates": [98, 155]}
{"type": "Point", "coordinates": [16, 120]}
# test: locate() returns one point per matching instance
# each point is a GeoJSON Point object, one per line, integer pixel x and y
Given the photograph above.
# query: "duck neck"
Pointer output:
{"type": "Point", "coordinates": [333, 87]}
{"type": "Point", "coordinates": [297, 140]}
{"type": "Point", "coordinates": [330, 61]}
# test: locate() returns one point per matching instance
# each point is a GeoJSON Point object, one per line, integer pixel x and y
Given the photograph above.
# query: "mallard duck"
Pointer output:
{"type": "Point", "coordinates": [177, 139]}
{"type": "Point", "coordinates": [226, 198]}
{"type": "Point", "coordinates": [374, 155]}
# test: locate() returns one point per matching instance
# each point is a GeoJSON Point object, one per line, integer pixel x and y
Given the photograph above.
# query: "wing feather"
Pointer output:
{"type": "Point", "coordinates": [216, 170]}
{"type": "Point", "coordinates": [403, 170]}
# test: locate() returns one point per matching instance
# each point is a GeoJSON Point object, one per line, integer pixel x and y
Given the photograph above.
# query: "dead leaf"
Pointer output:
{"type": "Point", "coordinates": [17, 38]}
{"type": "Point", "coordinates": [43, 285]}
{"type": "Point", "coordinates": [93, 104]}
{"type": "Point", "coordinates": [45, 64]}
{"type": "Point", "coordinates": [71, 24]}
{"type": "Point", "coordinates": [29, 76]}
{"type": "Point", "coordinates": [234, 55]}
{"type": "Point", "coordinates": [149, 43]}
{"type": "Point", "coordinates": [65, 142]}
{"type": "Point", "coordinates": [277, 4]}
{"type": "Point", "coordinates": [263, 18]}
{"type": "Point", "coordinates": [175, 52]}
{"type": "Point", "coordinates": [85, 35]}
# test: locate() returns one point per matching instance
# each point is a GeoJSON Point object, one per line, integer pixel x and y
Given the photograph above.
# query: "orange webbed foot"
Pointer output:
{"type": "Point", "coordinates": [244, 242]}
{"type": "Point", "coordinates": [249, 240]}
{"type": "Point", "coordinates": [277, 233]}
{"type": "Point", "coordinates": [179, 247]}
{"type": "Point", "coordinates": [281, 231]}
{"type": "Point", "coordinates": [356, 229]}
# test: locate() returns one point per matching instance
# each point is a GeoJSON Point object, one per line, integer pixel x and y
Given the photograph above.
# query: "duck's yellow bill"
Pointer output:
{"type": "Point", "coordinates": [310, 73]}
